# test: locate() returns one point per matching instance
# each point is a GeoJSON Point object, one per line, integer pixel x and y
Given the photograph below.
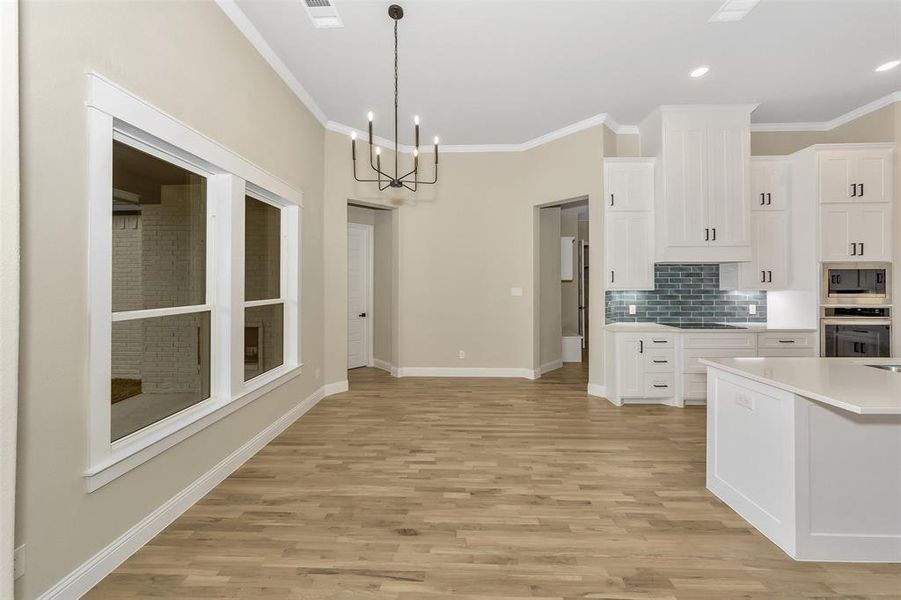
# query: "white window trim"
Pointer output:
{"type": "Point", "coordinates": [115, 113]}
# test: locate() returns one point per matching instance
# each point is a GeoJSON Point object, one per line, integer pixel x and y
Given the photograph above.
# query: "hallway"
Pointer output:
{"type": "Point", "coordinates": [430, 489]}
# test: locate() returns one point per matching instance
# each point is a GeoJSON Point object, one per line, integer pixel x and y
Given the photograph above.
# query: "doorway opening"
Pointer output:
{"type": "Point", "coordinates": [563, 238]}
{"type": "Point", "coordinates": [371, 276]}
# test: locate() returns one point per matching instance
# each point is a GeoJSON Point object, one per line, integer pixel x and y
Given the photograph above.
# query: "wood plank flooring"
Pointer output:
{"type": "Point", "coordinates": [477, 489]}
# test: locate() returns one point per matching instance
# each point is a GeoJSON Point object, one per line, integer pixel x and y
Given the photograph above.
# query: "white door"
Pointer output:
{"type": "Point", "coordinates": [630, 366]}
{"type": "Point", "coordinates": [873, 176]}
{"type": "Point", "coordinates": [630, 262]}
{"type": "Point", "coordinates": [684, 164]}
{"type": "Point", "coordinates": [769, 185]}
{"type": "Point", "coordinates": [728, 184]}
{"type": "Point", "coordinates": [630, 186]}
{"type": "Point", "coordinates": [871, 231]}
{"type": "Point", "coordinates": [835, 232]}
{"type": "Point", "coordinates": [359, 294]}
{"type": "Point", "coordinates": [836, 176]}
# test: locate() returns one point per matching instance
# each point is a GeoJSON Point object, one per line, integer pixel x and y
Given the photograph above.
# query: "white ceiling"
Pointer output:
{"type": "Point", "coordinates": [504, 72]}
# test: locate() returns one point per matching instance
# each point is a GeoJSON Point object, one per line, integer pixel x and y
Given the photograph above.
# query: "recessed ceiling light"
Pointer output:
{"type": "Point", "coordinates": [323, 14]}
{"type": "Point", "coordinates": [733, 10]}
{"type": "Point", "coordinates": [889, 65]}
{"type": "Point", "coordinates": [699, 72]}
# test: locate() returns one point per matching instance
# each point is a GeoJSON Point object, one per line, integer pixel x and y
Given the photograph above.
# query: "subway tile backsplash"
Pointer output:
{"type": "Point", "coordinates": [686, 293]}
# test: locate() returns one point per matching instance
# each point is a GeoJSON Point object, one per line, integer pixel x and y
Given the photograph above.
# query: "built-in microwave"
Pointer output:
{"type": "Point", "coordinates": [857, 283]}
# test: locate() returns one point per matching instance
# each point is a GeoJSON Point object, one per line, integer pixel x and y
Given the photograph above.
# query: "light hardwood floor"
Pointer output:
{"type": "Point", "coordinates": [481, 489]}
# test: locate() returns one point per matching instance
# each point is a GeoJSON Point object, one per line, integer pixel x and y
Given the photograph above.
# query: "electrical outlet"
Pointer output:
{"type": "Point", "coordinates": [19, 562]}
{"type": "Point", "coordinates": [752, 309]}
{"type": "Point", "coordinates": [461, 354]}
{"type": "Point", "coordinates": [632, 309]}
{"type": "Point", "coordinates": [516, 291]}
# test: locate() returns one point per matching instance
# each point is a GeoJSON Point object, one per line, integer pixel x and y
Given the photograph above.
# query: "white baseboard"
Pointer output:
{"type": "Point", "coordinates": [91, 572]}
{"type": "Point", "coordinates": [330, 389]}
{"type": "Point", "coordinates": [597, 389]}
{"type": "Point", "coordinates": [465, 372]}
{"type": "Point", "coordinates": [550, 366]}
{"type": "Point", "coordinates": [384, 365]}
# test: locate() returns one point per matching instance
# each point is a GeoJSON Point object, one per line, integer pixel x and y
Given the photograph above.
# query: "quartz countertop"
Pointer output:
{"type": "Point", "coordinates": [846, 383]}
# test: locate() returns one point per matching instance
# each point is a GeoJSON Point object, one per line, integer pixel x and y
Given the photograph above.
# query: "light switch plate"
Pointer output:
{"type": "Point", "coordinates": [752, 309]}
{"type": "Point", "coordinates": [632, 309]}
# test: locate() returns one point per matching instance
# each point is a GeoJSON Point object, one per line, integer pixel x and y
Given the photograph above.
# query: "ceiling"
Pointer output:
{"type": "Point", "coordinates": [504, 72]}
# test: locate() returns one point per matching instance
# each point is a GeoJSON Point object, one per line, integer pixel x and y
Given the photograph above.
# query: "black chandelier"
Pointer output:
{"type": "Point", "coordinates": [409, 180]}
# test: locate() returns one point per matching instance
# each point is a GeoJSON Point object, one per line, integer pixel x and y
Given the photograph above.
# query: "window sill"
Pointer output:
{"type": "Point", "coordinates": [139, 447]}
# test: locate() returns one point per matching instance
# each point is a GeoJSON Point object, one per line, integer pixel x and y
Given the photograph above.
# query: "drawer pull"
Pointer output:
{"type": "Point", "coordinates": [660, 362]}
{"type": "Point", "coordinates": [660, 385]}
{"type": "Point", "coordinates": [660, 341]}
{"type": "Point", "coordinates": [786, 341]}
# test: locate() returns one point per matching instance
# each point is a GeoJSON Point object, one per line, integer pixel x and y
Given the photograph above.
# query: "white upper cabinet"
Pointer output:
{"type": "Point", "coordinates": [629, 250]}
{"type": "Point", "coordinates": [769, 184]}
{"type": "Point", "coordinates": [629, 223]}
{"type": "Point", "coordinates": [703, 191]}
{"type": "Point", "coordinates": [858, 232]}
{"type": "Point", "coordinates": [856, 175]}
{"type": "Point", "coordinates": [629, 183]}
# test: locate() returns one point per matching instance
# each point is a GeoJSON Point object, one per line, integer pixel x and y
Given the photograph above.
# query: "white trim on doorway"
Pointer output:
{"type": "Point", "coordinates": [369, 234]}
{"type": "Point", "coordinates": [9, 285]}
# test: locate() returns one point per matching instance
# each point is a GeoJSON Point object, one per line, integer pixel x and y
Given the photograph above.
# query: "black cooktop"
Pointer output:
{"type": "Point", "coordinates": [703, 326]}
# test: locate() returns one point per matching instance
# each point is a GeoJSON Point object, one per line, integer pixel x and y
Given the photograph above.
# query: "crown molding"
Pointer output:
{"type": "Point", "coordinates": [831, 124]}
{"type": "Point", "coordinates": [256, 39]}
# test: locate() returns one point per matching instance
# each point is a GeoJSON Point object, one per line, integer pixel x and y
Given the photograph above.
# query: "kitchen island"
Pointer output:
{"type": "Point", "coordinates": [808, 450]}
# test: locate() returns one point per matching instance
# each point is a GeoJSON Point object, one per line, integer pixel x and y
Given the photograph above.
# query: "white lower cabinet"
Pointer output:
{"type": "Point", "coordinates": [642, 368]}
{"type": "Point", "coordinates": [665, 368]}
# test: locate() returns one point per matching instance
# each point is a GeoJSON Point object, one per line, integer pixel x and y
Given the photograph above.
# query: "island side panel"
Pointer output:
{"type": "Point", "coordinates": [849, 496]}
{"type": "Point", "coordinates": [750, 453]}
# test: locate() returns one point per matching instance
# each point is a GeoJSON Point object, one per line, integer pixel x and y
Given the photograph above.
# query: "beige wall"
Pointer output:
{"type": "Point", "coordinates": [549, 296]}
{"type": "Point", "coordinates": [878, 126]}
{"type": "Point", "coordinates": [461, 246]}
{"type": "Point", "coordinates": [187, 59]}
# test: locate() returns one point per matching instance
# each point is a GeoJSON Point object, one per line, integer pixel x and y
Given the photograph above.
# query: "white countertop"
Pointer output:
{"type": "Point", "coordinates": [637, 327]}
{"type": "Point", "coordinates": [846, 383]}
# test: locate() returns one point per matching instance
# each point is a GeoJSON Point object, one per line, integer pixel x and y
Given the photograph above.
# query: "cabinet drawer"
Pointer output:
{"type": "Point", "coordinates": [659, 361]}
{"type": "Point", "coordinates": [659, 385]}
{"type": "Point", "coordinates": [692, 356]}
{"type": "Point", "coordinates": [785, 340]}
{"type": "Point", "coordinates": [787, 352]}
{"type": "Point", "coordinates": [659, 341]}
{"type": "Point", "coordinates": [720, 340]}
{"type": "Point", "coordinates": [694, 386]}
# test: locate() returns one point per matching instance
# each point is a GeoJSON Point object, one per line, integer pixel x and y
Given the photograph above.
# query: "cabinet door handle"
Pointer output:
{"type": "Point", "coordinates": [707, 235]}
{"type": "Point", "coordinates": [611, 199]}
{"type": "Point", "coordinates": [763, 277]}
{"type": "Point", "coordinates": [861, 249]}
{"type": "Point", "coordinates": [762, 199]}
{"type": "Point", "coordinates": [769, 276]}
{"type": "Point", "coordinates": [612, 276]}
{"type": "Point", "coordinates": [853, 249]}
{"type": "Point", "coordinates": [641, 346]}
{"type": "Point", "coordinates": [769, 199]}
{"type": "Point", "coordinates": [861, 189]}
{"type": "Point", "coordinates": [714, 234]}
{"type": "Point", "coordinates": [853, 190]}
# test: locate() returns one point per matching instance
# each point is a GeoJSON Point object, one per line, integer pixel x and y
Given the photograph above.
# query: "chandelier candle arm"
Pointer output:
{"type": "Point", "coordinates": [396, 181]}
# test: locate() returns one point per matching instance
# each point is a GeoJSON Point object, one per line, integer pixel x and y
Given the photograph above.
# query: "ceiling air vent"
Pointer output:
{"type": "Point", "coordinates": [323, 14]}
